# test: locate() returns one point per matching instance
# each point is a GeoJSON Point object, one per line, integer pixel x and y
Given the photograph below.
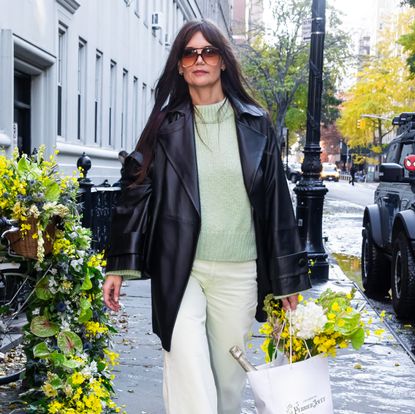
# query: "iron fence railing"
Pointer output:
{"type": "Point", "coordinates": [96, 203]}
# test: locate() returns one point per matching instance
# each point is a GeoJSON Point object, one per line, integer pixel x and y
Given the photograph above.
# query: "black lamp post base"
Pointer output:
{"type": "Point", "coordinates": [319, 267]}
{"type": "Point", "coordinates": [310, 200]}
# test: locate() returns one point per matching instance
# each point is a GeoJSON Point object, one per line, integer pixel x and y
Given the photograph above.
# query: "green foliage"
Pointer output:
{"type": "Point", "coordinates": [276, 64]}
{"type": "Point", "coordinates": [408, 43]}
{"type": "Point", "coordinates": [68, 332]}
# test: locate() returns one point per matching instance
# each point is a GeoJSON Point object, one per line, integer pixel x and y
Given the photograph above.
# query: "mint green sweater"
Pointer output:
{"type": "Point", "coordinates": [227, 232]}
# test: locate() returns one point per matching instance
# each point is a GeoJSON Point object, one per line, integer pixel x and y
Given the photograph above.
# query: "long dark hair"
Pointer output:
{"type": "Point", "coordinates": [173, 88]}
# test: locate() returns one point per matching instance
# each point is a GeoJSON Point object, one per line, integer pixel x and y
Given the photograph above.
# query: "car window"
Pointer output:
{"type": "Point", "coordinates": [392, 152]}
{"type": "Point", "coordinates": [406, 150]}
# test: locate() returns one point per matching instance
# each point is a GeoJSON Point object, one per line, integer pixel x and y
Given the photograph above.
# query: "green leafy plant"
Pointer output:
{"type": "Point", "coordinates": [67, 336]}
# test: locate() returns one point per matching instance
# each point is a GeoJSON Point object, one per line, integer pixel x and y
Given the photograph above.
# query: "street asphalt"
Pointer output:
{"type": "Point", "coordinates": [379, 378]}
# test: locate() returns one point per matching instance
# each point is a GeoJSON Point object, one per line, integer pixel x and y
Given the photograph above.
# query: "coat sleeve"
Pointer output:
{"type": "Point", "coordinates": [130, 220]}
{"type": "Point", "coordinates": [288, 264]}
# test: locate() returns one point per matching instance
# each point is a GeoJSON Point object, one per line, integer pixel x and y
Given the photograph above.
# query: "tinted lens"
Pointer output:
{"type": "Point", "coordinates": [210, 55]}
{"type": "Point", "coordinates": [189, 57]}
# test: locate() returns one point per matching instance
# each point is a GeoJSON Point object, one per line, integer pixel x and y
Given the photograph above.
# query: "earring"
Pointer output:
{"type": "Point", "coordinates": [223, 69]}
{"type": "Point", "coordinates": [180, 73]}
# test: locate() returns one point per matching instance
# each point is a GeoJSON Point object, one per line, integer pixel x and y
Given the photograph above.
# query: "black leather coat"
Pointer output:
{"type": "Point", "coordinates": [162, 242]}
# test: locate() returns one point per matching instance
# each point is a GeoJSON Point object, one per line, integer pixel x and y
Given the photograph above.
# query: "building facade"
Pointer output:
{"type": "Point", "coordinates": [79, 75]}
{"type": "Point", "coordinates": [247, 18]}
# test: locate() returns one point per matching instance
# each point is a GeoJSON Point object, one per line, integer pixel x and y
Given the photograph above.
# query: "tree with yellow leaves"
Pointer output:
{"type": "Point", "coordinates": [383, 88]}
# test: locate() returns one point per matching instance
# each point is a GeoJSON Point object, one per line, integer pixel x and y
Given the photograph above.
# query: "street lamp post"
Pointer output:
{"type": "Point", "coordinates": [310, 190]}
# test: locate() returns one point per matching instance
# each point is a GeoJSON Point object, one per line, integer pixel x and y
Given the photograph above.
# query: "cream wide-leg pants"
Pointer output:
{"type": "Point", "coordinates": [217, 312]}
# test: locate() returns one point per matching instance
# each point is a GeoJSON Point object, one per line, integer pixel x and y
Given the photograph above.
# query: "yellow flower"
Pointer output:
{"type": "Point", "coordinates": [266, 329]}
{"type": "Point", "coordinates": [94, 328]}
{"type": "Point", "coordinates": [335, 307]}
{"type": "Point", "coordinates": [379, 332]}
{"type": "Point", "coordinates": [77, 394]}
{"type": "Point", "coordinates": [49, 390]}
{"type": "Point", "coordinates": [264, 348]}
{"type": "Point", "coordinates": [77, 378]}
{"type": "Point", "coordinates": [112, 357]}
{"type": "Point", "coordinates": [349, 309]}
{"type": "Point", "coordinates": [341, 323]}
{"type": "Point", "coordinates": [66, 284]}
{"type": "Point", "coordinates": [300, 297]}
{"type": "Point", "coordinates": [331, 316]}
{"type": "Point", "coordinates": [55, 407]}
{"type": "Point", "coordinates": [343, 344]}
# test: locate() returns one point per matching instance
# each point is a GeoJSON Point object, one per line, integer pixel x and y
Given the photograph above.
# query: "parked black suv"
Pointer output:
{"type": "Point", "coordinates": [388, 246]}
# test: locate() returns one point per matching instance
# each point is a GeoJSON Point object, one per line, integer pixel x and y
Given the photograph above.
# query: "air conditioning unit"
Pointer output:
{"type": "Point", "coordinates": [167, 40]}
{"type": "Point", "coordinates": [157, 21]}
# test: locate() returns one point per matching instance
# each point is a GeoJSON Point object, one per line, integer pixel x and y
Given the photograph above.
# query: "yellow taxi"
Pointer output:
{"type": "Point", "coordinates": [329, 172]}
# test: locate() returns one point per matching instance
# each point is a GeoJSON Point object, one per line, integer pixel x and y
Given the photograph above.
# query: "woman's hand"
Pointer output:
{"type": "Point", "coordinates": [111, 289]}
{"type": "Point", "coordinates": [290, 302]}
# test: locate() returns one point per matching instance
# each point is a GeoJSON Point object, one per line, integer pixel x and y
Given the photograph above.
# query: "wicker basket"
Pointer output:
{"type": "Point", "coordinates": [26, 246]}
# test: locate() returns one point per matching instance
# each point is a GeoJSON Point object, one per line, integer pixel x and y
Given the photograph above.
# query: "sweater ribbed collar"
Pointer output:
{"type": "Point", "coordinates": [213, 113]}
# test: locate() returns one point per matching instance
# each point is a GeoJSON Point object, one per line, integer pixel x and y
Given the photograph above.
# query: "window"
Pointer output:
{"type": "Point", "coordinates": [145, 10]}
{"type": "Point", "coordinates": [81, 89]}
{"type": "Point", "coordinates": [392, 152]}
{"type": "Point", "coordinates": [124, 113]}
{"type": "Point", "coordinates": [62, 64]}
{"type": "Point", "coordinates": [112, 108]}
{"type": "Point", "coordinates": [135, 109]}
{"type": "Point", "coordinates": [143, 106]}
{"type": "Point", "coordinates": [98, 97]}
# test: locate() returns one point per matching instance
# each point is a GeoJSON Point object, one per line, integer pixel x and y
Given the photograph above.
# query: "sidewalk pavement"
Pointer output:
{"type": "Point", "coordinates": [379, 378]}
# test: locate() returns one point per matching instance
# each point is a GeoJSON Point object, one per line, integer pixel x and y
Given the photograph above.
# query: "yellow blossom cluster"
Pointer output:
{"type": "Point", "coordinates": [97, 260]}
{"type": "Point", "coordinates": [95, 328]}
{"type": "Point", "coordinates": [82, 396]}
{"type": "Point", "coordinates": [112, 357]}
{"type": "Point", "coordinates": [63, 245]}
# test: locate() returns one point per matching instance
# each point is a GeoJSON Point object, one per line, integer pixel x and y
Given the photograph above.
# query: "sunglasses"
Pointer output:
{"type": "Point", "coordinates": [210, 56]}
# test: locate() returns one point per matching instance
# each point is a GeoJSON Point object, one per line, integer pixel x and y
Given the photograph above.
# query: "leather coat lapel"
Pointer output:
{"type": "Point", "coordinates": [178, 142]}
{"type": "Point", "coordinates": [251, 148]}
{"type": "Point", "coordinates": [177, 139]}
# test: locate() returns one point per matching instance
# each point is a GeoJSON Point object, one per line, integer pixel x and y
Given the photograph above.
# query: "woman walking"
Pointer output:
{"type": "Point", "coordinates": [206, 213]}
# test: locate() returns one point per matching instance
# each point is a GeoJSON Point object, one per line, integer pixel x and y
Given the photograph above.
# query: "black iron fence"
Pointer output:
{"type": "Point", "coordinates": [96, 203]}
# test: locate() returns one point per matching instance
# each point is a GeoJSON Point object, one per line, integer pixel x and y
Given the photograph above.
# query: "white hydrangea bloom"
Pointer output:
{"type": "Point", "coordinates": [308, 320]}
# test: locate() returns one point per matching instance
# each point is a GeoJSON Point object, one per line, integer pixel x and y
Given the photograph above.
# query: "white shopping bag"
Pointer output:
{"type": "Point", "coordinates": [283, 388]}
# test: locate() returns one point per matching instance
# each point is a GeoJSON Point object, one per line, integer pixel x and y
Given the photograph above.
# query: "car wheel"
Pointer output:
{"type": "Point", "coordinates": [375, 266]}
{"type": "Point", "coordinates": [403, 277]}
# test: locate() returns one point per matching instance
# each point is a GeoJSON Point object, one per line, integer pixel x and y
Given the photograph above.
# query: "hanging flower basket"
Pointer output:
{"type": "Point", "coordinates": [26, 243]}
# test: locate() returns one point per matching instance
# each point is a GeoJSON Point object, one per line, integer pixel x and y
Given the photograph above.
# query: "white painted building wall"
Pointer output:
{"type": "Point", "coordinates": [105, 51]}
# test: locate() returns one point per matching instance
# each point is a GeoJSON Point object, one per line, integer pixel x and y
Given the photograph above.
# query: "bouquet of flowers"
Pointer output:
{"type": "Point", "coordinates": [34, 194]}
{"type": "Point", "coordinates": [317, 326]}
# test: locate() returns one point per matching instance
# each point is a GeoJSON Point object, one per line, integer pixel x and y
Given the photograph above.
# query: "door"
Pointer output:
{"type": "Point", "coordinates": [22, 112]}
